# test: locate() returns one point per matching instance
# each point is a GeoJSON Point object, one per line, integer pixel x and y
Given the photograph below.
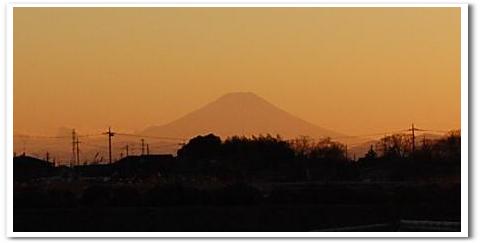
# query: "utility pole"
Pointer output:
{"type": "Point", "coordinates": [413, 138]}
{"type": "Point", "coordinates": [424, 142]}
{"type": "Point", "coordinates": [110, 134]}
{"type": "Point", "coordinates": [346, 151]}
{"type": "Point", "coordinates": [73, 148]}
{"type": "Point", "coordinates": [385, 145]}
{"type": "Point", "coordinates": [78, 151]}
{"type": "Point", "coordinates": [148, 150]}
{"type": "Point", "coordinates": [47, 157]}
{"type": "Point", "coordinates": [143, 146]}
{"type": "Point", "coordinates": [126, 149]}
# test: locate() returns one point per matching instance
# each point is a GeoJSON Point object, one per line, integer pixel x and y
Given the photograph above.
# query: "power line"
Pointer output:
{"type": "Point", "coordinates": [95, 145]}
{"type": "Point", "coordinates": [437, 131]}
{"type": "Point", "coordinates": [366, 135]}
{"type": "Point", "coordinates": [47, 143]}
{"type": "Point", "coordinates": [167, 145]}
{"type": "Point", "coordinates": [91, 135]}
{"type": "Point", "coordinates": [39, 136]}
{"type": "Point", "coordinates": [154, 137]}
{"type": "Point", "coordinates": [183, 138]}
{"type": "Point", "coordinates": [53, 137]}
{"type": "Point", "coordinates": [171, 144]}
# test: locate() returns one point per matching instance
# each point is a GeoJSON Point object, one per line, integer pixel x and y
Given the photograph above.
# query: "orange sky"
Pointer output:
{"type": "Point", "coordinates": [353, 70]}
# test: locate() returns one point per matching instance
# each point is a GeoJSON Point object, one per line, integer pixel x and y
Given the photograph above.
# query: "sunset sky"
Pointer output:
{"type": "Point", "coordinates": [352, 70]}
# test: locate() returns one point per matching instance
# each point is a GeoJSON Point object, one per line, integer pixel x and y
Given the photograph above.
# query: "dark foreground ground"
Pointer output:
{"type": "Point", "coordinates": [227, 218]}
{"type": "Point", "coordinates": [292, 209]}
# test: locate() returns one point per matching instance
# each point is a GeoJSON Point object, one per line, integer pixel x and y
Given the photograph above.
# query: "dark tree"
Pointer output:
{"type": "Point", "coordinates": [201, 148]}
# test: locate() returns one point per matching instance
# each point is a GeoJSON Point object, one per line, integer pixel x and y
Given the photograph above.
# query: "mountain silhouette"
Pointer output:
{"type": "Point", "coordinates": [239, 113]}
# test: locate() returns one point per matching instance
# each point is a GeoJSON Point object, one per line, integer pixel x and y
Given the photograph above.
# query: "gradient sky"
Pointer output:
{"type": "Point", "coordinates": [353, 70]}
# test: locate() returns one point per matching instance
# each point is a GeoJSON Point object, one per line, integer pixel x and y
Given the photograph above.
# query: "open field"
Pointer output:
{"type": "Point", "coordinates": [283, 208]}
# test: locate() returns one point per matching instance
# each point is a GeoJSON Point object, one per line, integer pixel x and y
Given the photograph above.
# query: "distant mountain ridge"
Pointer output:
{"type": "Point", "coordinates": [239, 113]}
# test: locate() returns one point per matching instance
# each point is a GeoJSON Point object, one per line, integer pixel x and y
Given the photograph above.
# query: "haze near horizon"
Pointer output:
{"type": "Point", "coordinates": [349, 70]}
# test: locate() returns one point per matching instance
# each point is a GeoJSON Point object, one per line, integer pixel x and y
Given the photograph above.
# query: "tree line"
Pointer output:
{"type": "Point", "coordinates": [271, 158]}
{"type": "Point", "coordinates": [306, 159]}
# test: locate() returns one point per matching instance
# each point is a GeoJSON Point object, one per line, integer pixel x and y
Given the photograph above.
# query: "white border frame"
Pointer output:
{"type": "Point", "coordinates": [464, 134]}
